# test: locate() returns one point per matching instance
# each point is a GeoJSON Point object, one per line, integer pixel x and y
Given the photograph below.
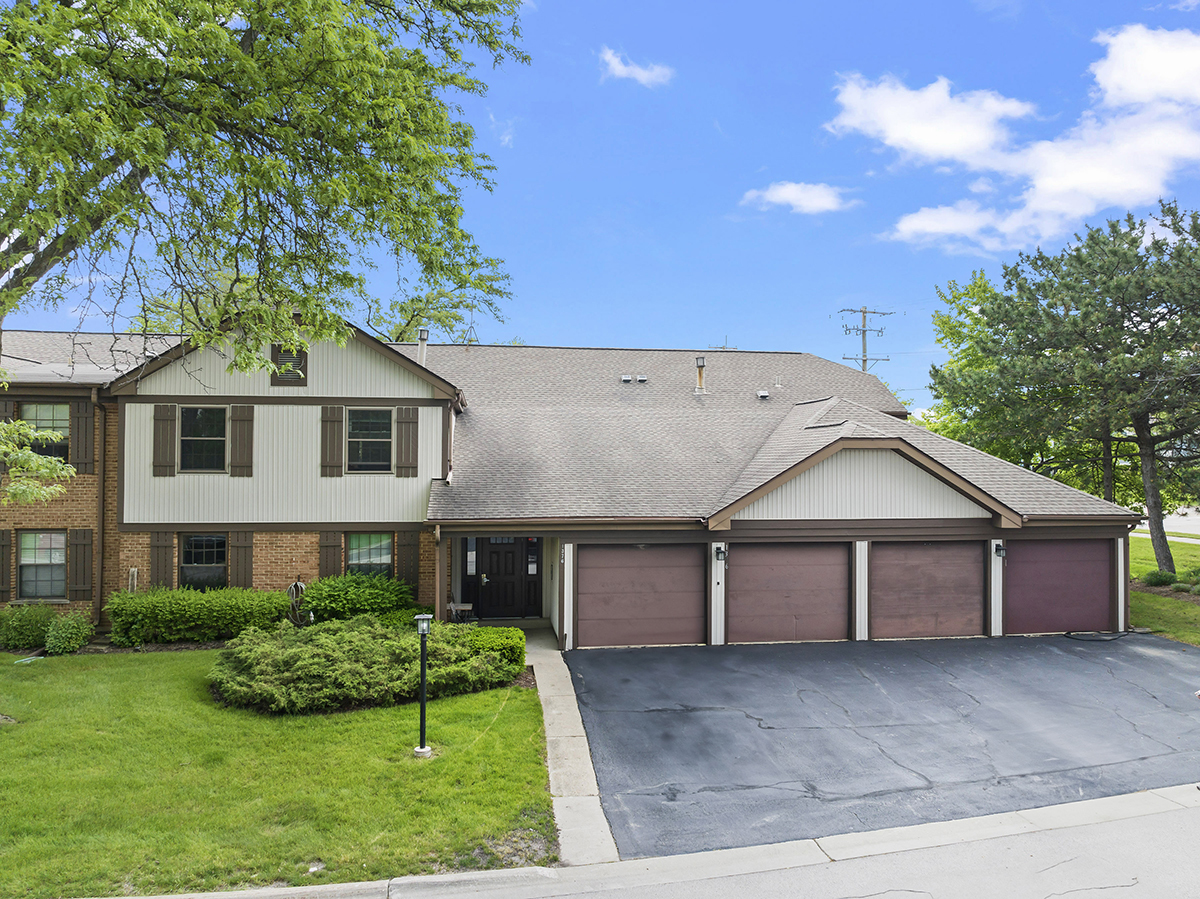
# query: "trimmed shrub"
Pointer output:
{"type": "Point", "coordinates": [1196, 590]}
{"type": "Point", "coordinates": [400, 619]}
{"type": "Point", "coordinates": [159, 615]}
{"type": "Point", "coordinates": [352, 663]}
{"type": "Point", "coordinates": [68, 633]}
{"type": "Point", "coordinates": [353, 594]}
{"type": "Point", "coordinates": [1158, 578]}
{"type": "Point", "coordinates": [1181, 588]}
{"type": "Point", "coordinates": [506, 642]}
{"type": "Point", "coordinates": [24, 627]}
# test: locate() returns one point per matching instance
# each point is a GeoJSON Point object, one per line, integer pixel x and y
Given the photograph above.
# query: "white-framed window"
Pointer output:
{"type": "Point", "coordinates": [49, 417]}
{"type": "Point", "coordinates": [369, 553]}
{"type": "Point", "coordinates": [202, 438]}
{"type": "Point", "coordinates": [368, 440]}
{"type": "Point", "coordinates": [203, 561]}
{"type": "Point", "coordinates": [42, 565]}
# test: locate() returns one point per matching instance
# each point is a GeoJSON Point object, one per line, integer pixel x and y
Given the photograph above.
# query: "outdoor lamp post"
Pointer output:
{"type": "Point", "coordinates": [423, 751]}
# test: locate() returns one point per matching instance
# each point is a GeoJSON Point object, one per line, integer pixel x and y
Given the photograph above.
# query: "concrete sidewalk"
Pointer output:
{"type": "Point", "coordinates": [1141, 843]}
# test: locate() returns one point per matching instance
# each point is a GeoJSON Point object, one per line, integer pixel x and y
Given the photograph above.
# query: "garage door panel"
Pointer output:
{"type": "Point", "coordinates": [1053, 586]}
{"type": "Point", "coordinates": [782, 592]}
{"type": "Point", "coordinates": [653, 595]}
{"type": "Point", "coordinates": [926, 590]}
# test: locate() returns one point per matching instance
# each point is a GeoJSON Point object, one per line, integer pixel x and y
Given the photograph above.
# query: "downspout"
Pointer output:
{"type": "Point", "coordinates": [98, 587]}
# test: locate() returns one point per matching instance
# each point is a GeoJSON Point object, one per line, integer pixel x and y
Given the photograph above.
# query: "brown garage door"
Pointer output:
{"type": "Point", "coordinates": [1053, 586]}
{"type": "Point", "coordinates": [926, 589]}
{"type": "Point", "coordinates": [641, 596]}
{"type": "Point", "coordinates": [783, 591]}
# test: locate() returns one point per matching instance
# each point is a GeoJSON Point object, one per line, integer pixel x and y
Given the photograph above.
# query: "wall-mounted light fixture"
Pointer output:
{"type": "Point", "coordinates": [1001, 550]}
{"type": "Point", "coordinates": [721, 554]}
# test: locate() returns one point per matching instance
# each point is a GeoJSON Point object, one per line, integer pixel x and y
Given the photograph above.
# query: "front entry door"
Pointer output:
{"type": "Point", "coordinates": [509, 577]}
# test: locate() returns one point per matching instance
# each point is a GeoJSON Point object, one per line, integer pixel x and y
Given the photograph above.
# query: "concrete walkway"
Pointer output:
{"type": "Point", "coordinates": [583, 834]}
{"type": "Point", "coordinates": [1141, 843]}
{"type": "Point", "coordinates": [1146, 534]}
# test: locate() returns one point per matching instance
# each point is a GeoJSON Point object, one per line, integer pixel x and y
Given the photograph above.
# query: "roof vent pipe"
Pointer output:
{"type": "Point", "coordinates": [700, 375]}
{"type": "Point", "coordinates": [422, 340]}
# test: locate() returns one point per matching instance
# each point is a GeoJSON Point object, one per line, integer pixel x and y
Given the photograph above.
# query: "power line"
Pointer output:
{"type": "Point", "coordinates": [864, 331]}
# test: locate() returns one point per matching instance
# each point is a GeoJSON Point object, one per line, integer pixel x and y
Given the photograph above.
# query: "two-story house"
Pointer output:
{"type": "Point", "coordinates": [631, 497]}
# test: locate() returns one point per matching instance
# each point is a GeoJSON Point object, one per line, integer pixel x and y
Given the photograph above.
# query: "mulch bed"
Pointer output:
{"type": "Point", "coordinates": [102, 646]}
{"type": "Point", "coordinates": [1139, 587]}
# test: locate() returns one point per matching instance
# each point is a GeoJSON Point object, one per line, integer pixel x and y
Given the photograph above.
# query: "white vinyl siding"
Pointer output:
{"type": "Point", "coordinates": [353, 370]}
{"type": "Point", "coordinates": [287, 485]}
{"type": "Point", "coordinates": [862, 484]}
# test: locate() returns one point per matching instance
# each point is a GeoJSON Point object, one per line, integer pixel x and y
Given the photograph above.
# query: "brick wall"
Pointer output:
{"type": "Point", "coordinates": [427, 567]}
{"type": "Point", "coordinates": [280, 557]}
{"type": "Point", "coordinates": [77, 508]}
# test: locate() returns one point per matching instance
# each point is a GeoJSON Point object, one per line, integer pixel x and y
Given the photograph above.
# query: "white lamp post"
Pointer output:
{"type": "Point", "coordinates": [423, 751]}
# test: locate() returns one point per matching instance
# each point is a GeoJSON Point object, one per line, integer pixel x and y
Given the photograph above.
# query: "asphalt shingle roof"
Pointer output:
{"type": "Point", "coordinates": [552, 432]}
{"type": "Point", "coordinates": [89, 360]}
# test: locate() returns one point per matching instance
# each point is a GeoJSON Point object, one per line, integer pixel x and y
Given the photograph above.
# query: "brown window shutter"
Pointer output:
{"type": "Point", "coordinates": [241, 441]}
{"type": "Point", "coordinates": [333, 441]}
{"type": "Point", "coordinates": [8, 408]}
{"type": "Point", "coordinates": [83, 437]}
{"type": "Point", "coordinates": [164, 441]}
{"type": "Point", "coordinates": [408, 557]}
{"type": "Point", "coordinates": [241, 558]}
{"type": "Point", "coordinates": [331, 554]}
{"type": "Point", "coordinates": [162, 559]}
{"type": "Point", "coordinates": [406, 442]}
{"type": "Point", "coordinates": [79, 565]}
{"type": "Point", "coordinates": [6, 537]}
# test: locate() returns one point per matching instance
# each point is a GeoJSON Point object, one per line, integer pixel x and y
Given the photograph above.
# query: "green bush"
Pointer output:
{"type": "Point", "coordinates": [354, 663]}
{"type": "Point", "coordinates": [159, 615]}
{"type": "Point", "coordinates": [68, 632]}
{"type": "Point", "coordinates": [1196, 590]}
{"type": "Point", "coordinates": [353, 594]}
{"type": "Point", "coordinates": [1158, 578]}
{"type": "Point", "coordinates": [400, 619]}
{"type": "Point", "coordinates": [506, 642]}
{"type": "Point", "coordinates": [24, 627]}
{"type": "Point", "coordinates": [1181, 587]}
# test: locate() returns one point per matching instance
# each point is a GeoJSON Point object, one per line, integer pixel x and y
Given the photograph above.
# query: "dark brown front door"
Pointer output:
{"type": "Point", "coordinates": [642, 595]}
{"type": "Point", "coordinates": [780, 592]}
{"type": "Point", "coordinates": [507, 577]}
{"type": "Point", "coordinates": [927, 589]}
{"type": "Point", "coordinates": [1054, 586]}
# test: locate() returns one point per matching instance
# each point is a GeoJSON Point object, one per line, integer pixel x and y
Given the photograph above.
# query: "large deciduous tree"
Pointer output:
{"type": "Point", "coordinates": [1089, 359]}
{"type": "Point", "coordinates": [243, 159]}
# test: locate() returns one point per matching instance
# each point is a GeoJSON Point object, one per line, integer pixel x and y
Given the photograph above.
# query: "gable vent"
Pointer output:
{"type": "Point", "coordinates": [291, 367]}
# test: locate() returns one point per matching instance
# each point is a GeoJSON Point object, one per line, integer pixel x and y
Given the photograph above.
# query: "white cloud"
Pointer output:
{"type": "Point", "coordinates": [928, 124]}
{"type": "Point", "coordinates": [1185, 5]}
{"type": "Point", "coordinates": [1142, 129]}
{"type": "Point", "coordinates": [615, 65]}
{"type": "Point", "coordinates": [504, 131]}
{"type": "Point", "coordinates": [805, 198]}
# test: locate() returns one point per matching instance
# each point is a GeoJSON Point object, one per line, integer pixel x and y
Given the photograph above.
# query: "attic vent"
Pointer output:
{"type": "Point", "coordinates": [763, 394]}
{"type": "Point", "coordinates": [626, 379]}
{"type": "Point", "coordinates": [641, 379]}
{"type": "Point", "coordinates": [291, 367]}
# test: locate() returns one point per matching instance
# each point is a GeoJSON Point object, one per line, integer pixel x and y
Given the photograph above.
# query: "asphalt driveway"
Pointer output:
{"type": "Point", "coordinates": [701, 748]}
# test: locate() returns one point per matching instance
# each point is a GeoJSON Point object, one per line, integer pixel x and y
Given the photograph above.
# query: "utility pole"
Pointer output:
{"type": "Point", "coordinates": [864, 330]}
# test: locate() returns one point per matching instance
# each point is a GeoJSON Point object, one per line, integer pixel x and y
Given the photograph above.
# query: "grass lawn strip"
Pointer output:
{"type": "Point", "coordinates": [122, 775]}
{"type": "Point", "coordinates": [1141, 555]}
{"type": "Point", "coordinates": [1174, 618]}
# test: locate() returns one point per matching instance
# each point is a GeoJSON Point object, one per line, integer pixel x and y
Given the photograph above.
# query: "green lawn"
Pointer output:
{"type": "Point", "coordinates": [123, 776]}
{"type": "Point", "coordinates": [1174, 618]}
{"type": "Point", "coordinates": [1141, 555]}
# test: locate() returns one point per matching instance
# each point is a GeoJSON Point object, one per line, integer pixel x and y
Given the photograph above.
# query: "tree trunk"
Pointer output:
{"type": "Point", "coordinates": [1108, 469]}
{"type": "Point", "coordinates": [1154, 513]}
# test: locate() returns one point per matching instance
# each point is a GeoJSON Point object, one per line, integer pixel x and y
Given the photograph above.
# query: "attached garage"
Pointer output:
{"type": "Point", "coordinates": [927, 589]}
{"type": "Point", "coordinates": [1054, 586]}
{"type": "Point", "coordinates": [779, 592]}
{"type": "Point", "coordinates": [645, 595]}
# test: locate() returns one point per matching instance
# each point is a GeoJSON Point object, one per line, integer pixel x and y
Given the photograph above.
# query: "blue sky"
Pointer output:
{"type": "Point", "coordinates": [682, 175]}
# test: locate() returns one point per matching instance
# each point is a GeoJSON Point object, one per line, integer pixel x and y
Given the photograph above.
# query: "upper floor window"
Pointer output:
{"type": "Point", "coordinates": [42, 565]}
{"type": "Point", "coordinates": [202, 438]}
{"type": "Point", "coordinates": [50, 417]}
{"type": "Point", "coordinates": [291, 367]}
{"type": "Point", "coordinates": [368, 440]}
